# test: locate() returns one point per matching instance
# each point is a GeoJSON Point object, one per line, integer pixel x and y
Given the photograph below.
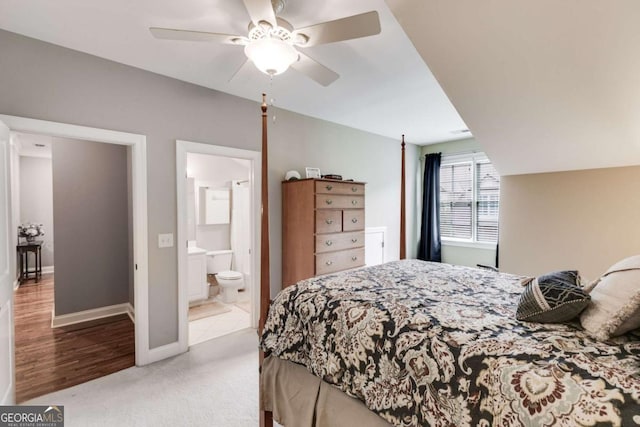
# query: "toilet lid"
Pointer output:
{"type": "Point", "coordinates": [230, 275]}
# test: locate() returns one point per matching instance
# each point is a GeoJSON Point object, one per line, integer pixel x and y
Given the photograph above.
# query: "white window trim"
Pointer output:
{"type": "Point", "coordinates": [449, 159]}
{"type": "Point", "coordinates": [474, 158]}
{"type": "Point", "coordinates": [447, 241]}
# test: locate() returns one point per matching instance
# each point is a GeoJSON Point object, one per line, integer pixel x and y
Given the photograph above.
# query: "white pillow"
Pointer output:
{"type": "Point", "coordinates": [615, 301]}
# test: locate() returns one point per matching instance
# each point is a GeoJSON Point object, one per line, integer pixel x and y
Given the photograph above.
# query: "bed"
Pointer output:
{"type": "Point", "coordinates": [413, 343]}
{"type": "Point", "coordinates": [434, 344]}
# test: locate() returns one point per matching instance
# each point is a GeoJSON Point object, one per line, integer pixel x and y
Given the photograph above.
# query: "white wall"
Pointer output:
{"type": "Point", "coordinates": [36, 200]}
{"type": "Point", "coordinates": [15, 201]}
{"type": "Point", "coordinates": [214, 172]}
{"type": "Point", "coordinates": [456, 254]}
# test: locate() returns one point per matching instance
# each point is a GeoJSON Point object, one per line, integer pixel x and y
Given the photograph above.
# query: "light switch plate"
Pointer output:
{"type": "Point", "coordinates": [165, 240]}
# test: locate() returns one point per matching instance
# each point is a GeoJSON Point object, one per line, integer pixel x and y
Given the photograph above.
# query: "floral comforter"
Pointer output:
{"type": "Point", "coordinates": [427, 344]}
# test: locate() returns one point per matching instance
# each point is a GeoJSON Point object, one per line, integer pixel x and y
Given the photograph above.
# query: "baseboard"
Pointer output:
{"type": "Point", "coordinates": [88, 315]}
{"type": "Point", "coordinates": [45, 270]}
{"type": "Point", "coordinates": [163, 352]}
{"type": "Point", "coordinates": [16, 284]}
{"type": "Point", "coordinates": [131, 312]}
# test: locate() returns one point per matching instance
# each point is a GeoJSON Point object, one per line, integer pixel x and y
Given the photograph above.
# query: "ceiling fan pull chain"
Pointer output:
{"type": "Point", "coordinates": [272, 100]}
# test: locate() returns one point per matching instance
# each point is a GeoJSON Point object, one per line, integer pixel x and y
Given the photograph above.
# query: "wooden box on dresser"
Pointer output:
{"type": "Point", "coordinates": [322, 227]}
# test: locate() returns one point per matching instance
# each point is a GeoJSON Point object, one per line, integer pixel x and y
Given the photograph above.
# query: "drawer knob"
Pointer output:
{"type": "Point", "coordinates": [354, 258]}
{"type": "Point", "coordinates": [354, 189]}
{"type": "Point", "coordinates": [354, 240]}
{"type": "Point", "coordinates": [354, 220]}
{"type": "Point", "coordinates": [329, 187]}
{"type": "Point", "coordinates": [328, 243]}
{"type": "Point", "coordinates": [329, 201]}
{"type": "Point", "coordinates": [329, 262]}
{"type": "Point", "coordinates": [329, 221]}
{"type": "Point", "coordinates": [354, 202]}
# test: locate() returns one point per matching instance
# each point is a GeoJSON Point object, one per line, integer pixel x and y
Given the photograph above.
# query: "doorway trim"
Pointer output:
{"type": "Point", "coordinates": [138, 144]}
{"type": "Point", "coordinates": [254, 157]}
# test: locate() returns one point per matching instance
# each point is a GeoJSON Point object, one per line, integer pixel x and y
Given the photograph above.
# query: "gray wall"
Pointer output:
{"type": "Point", "coordinates": [585, 220]}
{"type": "Point", "coordinates": [36, 200]}
{"type": "Point", "coordinates": [90, 218]}
{"type": "Point", "coordinates": [298, 141]}
{"type": "Point", "coordinates": [48, 82]}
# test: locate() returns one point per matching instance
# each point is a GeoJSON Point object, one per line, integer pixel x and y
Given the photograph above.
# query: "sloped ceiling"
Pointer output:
{"type": "Point", "coordinates": [544, 85]}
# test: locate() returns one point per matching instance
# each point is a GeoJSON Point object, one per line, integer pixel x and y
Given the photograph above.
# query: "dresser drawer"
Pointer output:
{"type": "Point", "coordinates": [352, 219]}
{"type": "Point", "coordinates": [337, 261]}
{"type": "Point", "coordinates": [328, 221]}
{"type": "Point", "coordinates": [339, 241]}
{"type": "Point", "coordinates": [339, 188]}
{"type": "Point", "coordinates": [327, 201]}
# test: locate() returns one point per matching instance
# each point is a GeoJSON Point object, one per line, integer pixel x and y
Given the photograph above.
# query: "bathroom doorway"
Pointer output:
{"type": "Point", "coordinates": [217, 197]}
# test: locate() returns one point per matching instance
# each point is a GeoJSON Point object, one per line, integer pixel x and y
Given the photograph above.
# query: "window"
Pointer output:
{"type": "Point", "coordinates": [469, 199]}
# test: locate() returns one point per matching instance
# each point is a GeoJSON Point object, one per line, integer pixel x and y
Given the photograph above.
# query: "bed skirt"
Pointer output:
{"type": "Point", "coordinates": [299, 399]}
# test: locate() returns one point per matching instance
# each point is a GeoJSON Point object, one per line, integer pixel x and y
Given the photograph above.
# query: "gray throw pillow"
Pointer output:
{"type": "Point", "coordinates": [553, 298]}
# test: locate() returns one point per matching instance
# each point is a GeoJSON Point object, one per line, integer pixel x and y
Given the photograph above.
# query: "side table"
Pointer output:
{"type": "Point", "coordinates": [23, 249]}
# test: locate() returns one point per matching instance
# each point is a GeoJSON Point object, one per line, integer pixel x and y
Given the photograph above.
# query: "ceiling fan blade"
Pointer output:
{"type": "Point", "coordinates": [241, 70]}
{"type": "Point", "coordinates": [196, 36]}
{"type": "Point", "coordinates": [260, 10]}
{"type": "Point", "coordinates": [352, 27]}
{"type": "Point", "coordinates": [314, 70]}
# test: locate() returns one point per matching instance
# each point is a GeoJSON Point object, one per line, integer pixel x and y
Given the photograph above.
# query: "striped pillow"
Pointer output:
{"type": "Point", "coordinates": [553, 298]}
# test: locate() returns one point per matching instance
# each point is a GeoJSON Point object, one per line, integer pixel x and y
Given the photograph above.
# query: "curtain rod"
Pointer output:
{"type": "Point", "coordinates": [457, 153]}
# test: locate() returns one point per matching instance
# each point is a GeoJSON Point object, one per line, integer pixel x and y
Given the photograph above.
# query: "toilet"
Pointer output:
{"type": "Point", "coordinates": [219, 264]}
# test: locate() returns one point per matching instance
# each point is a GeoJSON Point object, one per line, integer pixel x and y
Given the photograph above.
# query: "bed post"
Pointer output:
{"type": "Point", "coordinates": [266, 417]}
{"type": "Point", "coordinates": [403, 227]}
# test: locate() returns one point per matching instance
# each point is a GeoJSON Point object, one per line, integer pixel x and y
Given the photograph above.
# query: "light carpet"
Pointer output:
{"type": "Point", "coordinates": [214, 384]}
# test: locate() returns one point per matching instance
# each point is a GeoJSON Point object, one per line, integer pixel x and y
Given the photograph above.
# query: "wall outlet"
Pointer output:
{"type": "Point", "coordinates": [165, 240]}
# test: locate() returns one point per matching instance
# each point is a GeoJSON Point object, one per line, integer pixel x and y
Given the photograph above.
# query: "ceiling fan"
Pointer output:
{"type": "Point", "coordinates": [271, 41]}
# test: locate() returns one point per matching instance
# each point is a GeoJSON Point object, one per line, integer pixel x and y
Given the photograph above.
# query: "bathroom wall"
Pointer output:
{"type": "Point", "coordinates": [214, 172]}
{"type": "Point", "coordinates": [36, 201]}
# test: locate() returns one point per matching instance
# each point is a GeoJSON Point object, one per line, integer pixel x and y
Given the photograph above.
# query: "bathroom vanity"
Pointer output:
{"type": "Point", "coordinates": [197, 272]}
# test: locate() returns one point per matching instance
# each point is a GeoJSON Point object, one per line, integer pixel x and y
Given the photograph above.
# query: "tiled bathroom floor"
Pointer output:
{"type": "Point", "coordinates": [215, 326]}
{"type": "Point", "coordinates": [222, 324]}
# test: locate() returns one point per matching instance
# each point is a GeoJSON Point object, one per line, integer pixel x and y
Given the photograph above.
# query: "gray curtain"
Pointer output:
{"type": "Point", "coordinates": [430, 243]}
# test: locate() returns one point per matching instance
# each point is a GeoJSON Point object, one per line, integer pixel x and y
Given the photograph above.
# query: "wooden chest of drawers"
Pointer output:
{"type": "Point", "coordinates": [322, 228]}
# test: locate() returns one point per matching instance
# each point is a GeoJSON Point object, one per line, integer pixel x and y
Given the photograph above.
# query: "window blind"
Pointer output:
{"type": "Point", "coordinates": [456, 198]}
{"type": "Point", "coordinates": [488, 200]}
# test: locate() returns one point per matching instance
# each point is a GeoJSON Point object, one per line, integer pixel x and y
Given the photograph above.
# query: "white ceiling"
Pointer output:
{"type": "Point", "coordinates": [384, 88]}
{"type": "Point", "coordinates": [544, 85]}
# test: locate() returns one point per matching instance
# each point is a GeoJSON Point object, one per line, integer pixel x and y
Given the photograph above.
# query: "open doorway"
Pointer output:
{"type": "Point", "coordinates": [217, 235]}
{"type": "Point", "coordinates": [136, 145]}
{"type": "Point", "coordinates": [73, 314]}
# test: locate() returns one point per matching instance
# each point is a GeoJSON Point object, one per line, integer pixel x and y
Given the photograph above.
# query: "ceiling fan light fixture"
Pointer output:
{"type": "Point", "coordinates": [270, 55]}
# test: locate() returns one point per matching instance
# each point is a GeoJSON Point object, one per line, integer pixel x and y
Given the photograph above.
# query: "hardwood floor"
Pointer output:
{"type": "Point", "coordinates": [53, 359]}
